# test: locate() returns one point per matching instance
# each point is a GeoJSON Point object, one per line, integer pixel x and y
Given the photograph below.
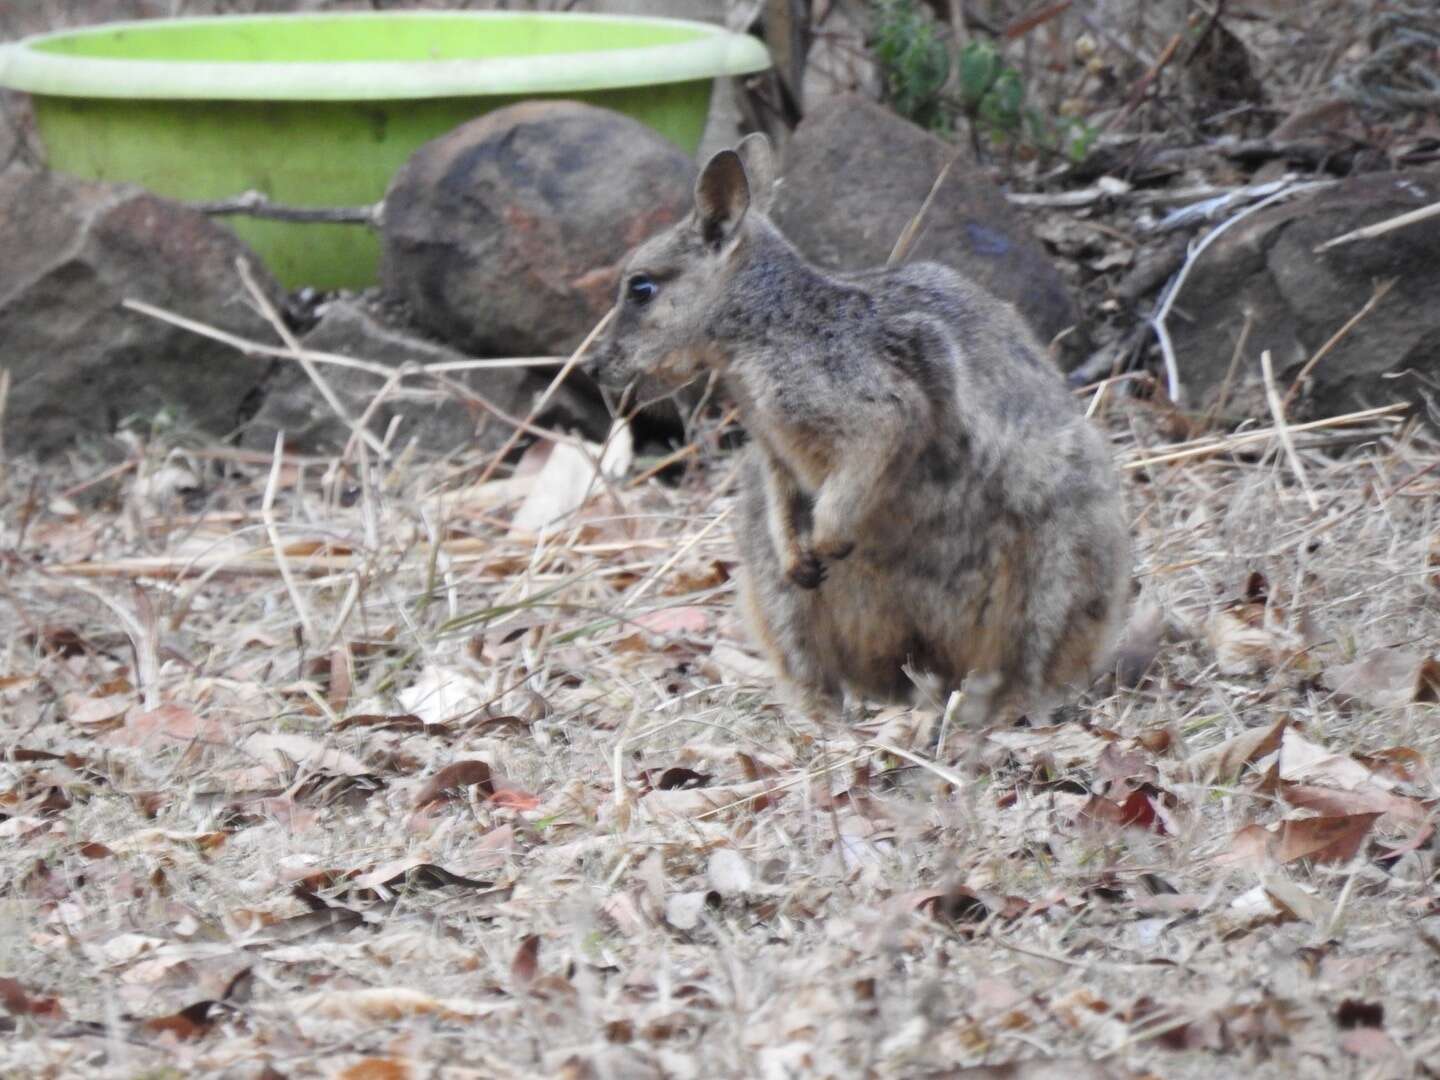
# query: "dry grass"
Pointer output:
{"type": "Point", "coordinates": [658, 874]}
{"type": "Point", "coordinates": [319, 767]}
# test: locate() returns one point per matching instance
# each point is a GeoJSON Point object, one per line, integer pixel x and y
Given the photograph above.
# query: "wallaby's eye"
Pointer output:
{"type": "Point", "coordinates": [640, 290]}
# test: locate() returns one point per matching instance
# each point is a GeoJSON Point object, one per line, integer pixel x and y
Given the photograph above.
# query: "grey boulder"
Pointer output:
{"type": "Point", "coordinates": [855, 174]}
{"type": "Point", "coordinates": [1267, 268]}
{"type": "Point", "coordinates": [504, 236]}
{"type": "Point", "coordinates": [80, 364]}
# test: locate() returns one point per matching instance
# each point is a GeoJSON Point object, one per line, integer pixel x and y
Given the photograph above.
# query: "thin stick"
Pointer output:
{"type": "Point", "coordinates": [617, 756]}
{"type": "Point", "coordinates": [640, 590]}
{"type": "Point", "coordinates": [254, 204]}
{"type": "Point", "coordinates": [99, 478]}
{"type": "Point", "coordinates": [140, 628]}
{"type": "Point", "coordinates": [1198, 196]}
{"type": "Point", "coordinates": [363, 423]}
{"type": "Point", "coordinates": [1236, 355]}
{"type": "Point", "coordinates": [255, 457]}
{"type": "Point", "coordinates": [1204, 447]}
{"type": "Point", "coordinates": [1100, 390]}
{"type": "Point", "coordinates": [1100, 386]}
{"type": "Point", "coordinates": [1345, 893]}
{"type": "Point", "coordinates": [272, 530]}
{"type": "Point", "coordinates": [257, 348]}
{"type": "Point", "coordinates": [383, 371]}
{"type": "Point", "coordinates": [1023, 24]}
{"type": "Point", "coordinates": [312, 372]}
{"type": "Point", "coordinates": [688, 450]}
{"type": "Point", "coordinates": [261, 560]}
{"type": "Point", "coordinates": [1210, 442]}
{"type": "Point", "coordinates": [1408, 481]}
{"type": "Point", "coordinates": [810, 774]}
{"type": "Point", "coordinates": [907, 236]}
{"type": "Point", "coordinates": [544, 399]}
{"type": "Point", "coordinates": [1142, 84]}
{"type": "Point", "coordinates": [957, 26]}
{"type": "Point", "coordinates": [1277, 410]}
{"type": "Point", "coordinates": [1379, 294]}
{"type": "Point", "coordinates": [1145, 1034]}
{"type": "Point", "coordinates": [464, 393]}
{"type": "Point", "coordinates": [950, 776]}
{"type": "Point", "coordinates": [247, 345]}
{"type": "Point", "coordinates": [444, 367]}
{"type": "Point", "coordinates": [1382, 227]}
{"type": "Point", "coordinates": [4, 403]}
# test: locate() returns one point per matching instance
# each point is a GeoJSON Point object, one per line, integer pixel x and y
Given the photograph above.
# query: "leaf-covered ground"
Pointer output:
{"type": "Point", "coordinates": [312, 769]}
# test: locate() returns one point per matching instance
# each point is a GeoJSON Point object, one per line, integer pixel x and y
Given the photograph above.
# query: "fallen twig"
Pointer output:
{"type": "Point", "coordinates": [292, 344]}
{"type": "Point", "coordinates": [436, 372]}
{"type": "Point", "coordinates": [950, 776]}
{"type": "Point", "coordinates": [1142, 84]}
{"type": "Point", "coordinates": [251, 347]}
{"type": "Point", "coordinates": [254, 204]}
{"type": "Point", "coordinates": [1023, 24]}
{"type": "Point", "coordinates": [4, 403]}
{"type": "Point", "coordinates": [1381, 290]}
{"type": "Point", "coordinates": [1226, 444]}
{"type": "Point", "coordinates": [261, 561]}
{"type": "Point", "coordinates": [1369, 232]}
{"type": "Point", "coordinates": [544, 399]}
{"type": "Point", "coordinates": [1282, 429]}
{"type": "Point", "coordinates": [272, 530]}
{"type": "Point", "coordinates": [906, 240]}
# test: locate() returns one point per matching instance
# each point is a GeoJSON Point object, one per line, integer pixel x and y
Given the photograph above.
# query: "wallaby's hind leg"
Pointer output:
{"type": "Point", "coordinates": [803, 688]}
{"type": "Point", "coordinates": [979, 700]}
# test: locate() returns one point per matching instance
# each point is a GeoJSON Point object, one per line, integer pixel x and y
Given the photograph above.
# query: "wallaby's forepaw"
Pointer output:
{"type": "Point", "coordinates": [807, 570]}
{"type": "Point", "coordinates": [835, 550]}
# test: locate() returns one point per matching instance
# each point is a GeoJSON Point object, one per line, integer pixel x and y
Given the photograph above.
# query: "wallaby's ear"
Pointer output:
{"type": "Point", "coordinates": [722, 195]}
{"type": "Point", "coordinates": [759, 161]}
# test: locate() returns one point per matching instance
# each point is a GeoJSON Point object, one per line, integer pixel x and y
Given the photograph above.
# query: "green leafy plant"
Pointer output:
{"type": "Point", "coordinates": [1003, 108]}
{"type": "Point", "coordinates": [1067, 136]}
{"type": "Point", "coordinates": [915, 65]}
{"type": "Point", "coordinates": [980, 66]}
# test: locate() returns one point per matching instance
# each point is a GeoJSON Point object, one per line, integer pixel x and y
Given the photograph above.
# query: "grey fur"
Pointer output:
{"type": "Point", "coordinates": [920, 489]}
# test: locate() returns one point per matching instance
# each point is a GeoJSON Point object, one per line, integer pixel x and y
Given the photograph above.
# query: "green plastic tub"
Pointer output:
{"type": "Point", "coordinates": [321, 110]}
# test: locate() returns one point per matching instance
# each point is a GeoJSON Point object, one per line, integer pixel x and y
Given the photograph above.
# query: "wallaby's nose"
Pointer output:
{"type": "Point", "coordinates": [605, 364]}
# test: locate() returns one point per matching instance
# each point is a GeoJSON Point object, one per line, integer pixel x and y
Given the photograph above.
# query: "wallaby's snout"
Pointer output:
{"type": "Point", "coordinates": [607, 360]}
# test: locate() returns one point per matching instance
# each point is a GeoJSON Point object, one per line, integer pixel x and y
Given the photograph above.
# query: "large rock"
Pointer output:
{"type": "Point", "coordinates": [439, 417]}
{"type": "Point", "coordinates": [1296, 298]}
{"type": "Point", "coordinates": [855, 175]}
{"type": "Point", "coordinates": [80, 363]}
{"type": "Point", "coordinates": [504, 236]}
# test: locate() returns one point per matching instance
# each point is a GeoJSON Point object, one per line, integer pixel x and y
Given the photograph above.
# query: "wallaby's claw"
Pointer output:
{"type": "Point", "coordinates": [808, 572]}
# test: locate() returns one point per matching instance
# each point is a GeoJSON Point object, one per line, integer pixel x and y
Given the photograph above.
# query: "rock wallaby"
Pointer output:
{"type": "Point", "coordinates": [921, 494]}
